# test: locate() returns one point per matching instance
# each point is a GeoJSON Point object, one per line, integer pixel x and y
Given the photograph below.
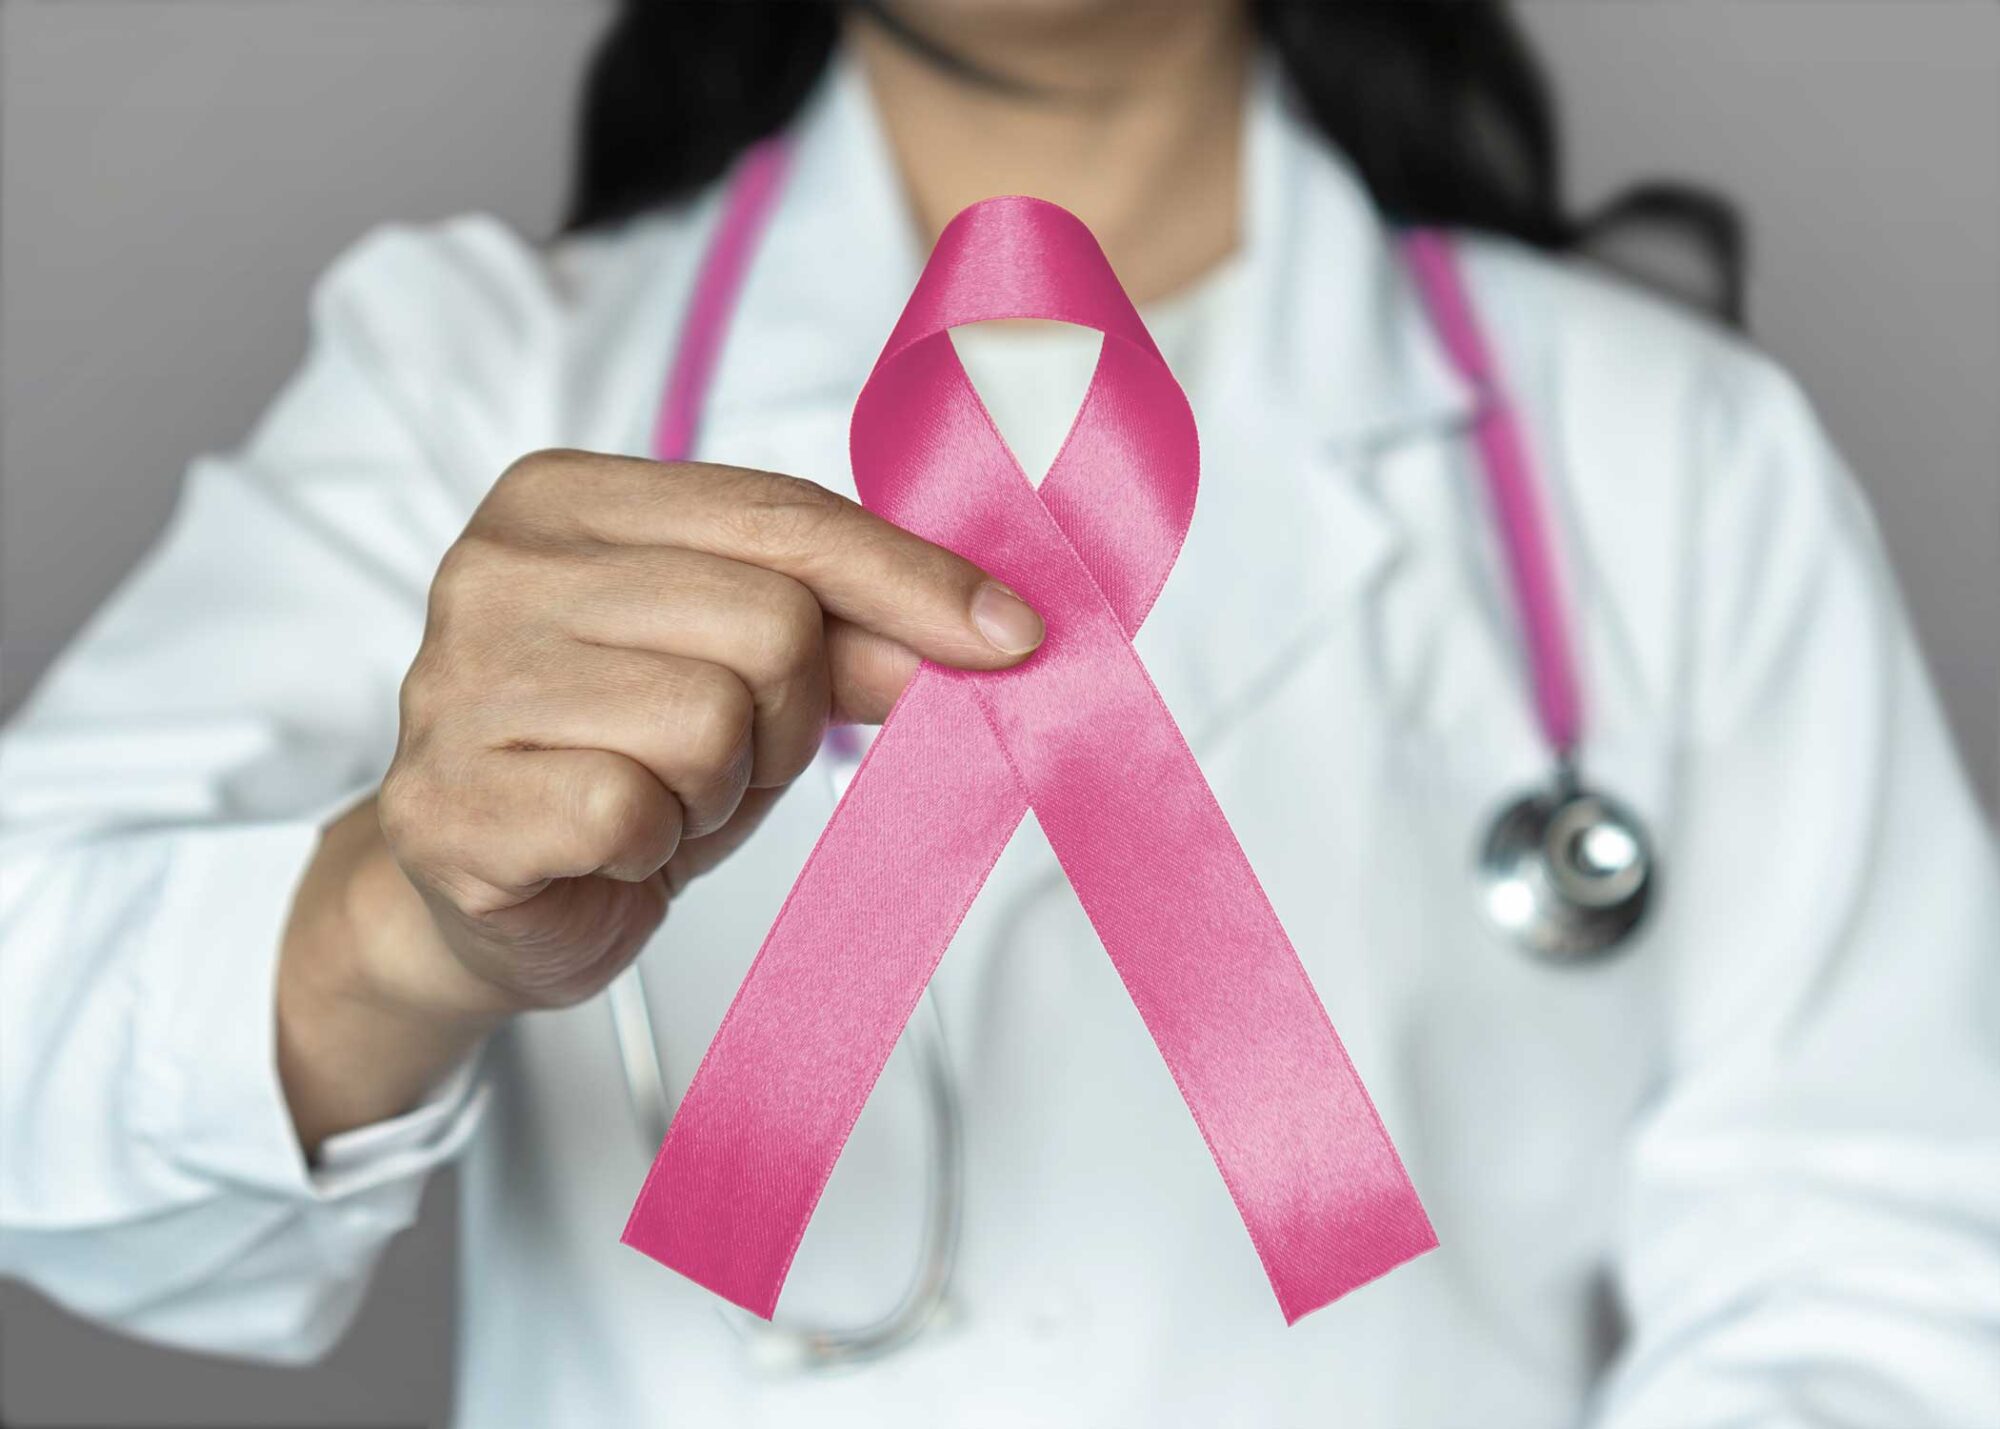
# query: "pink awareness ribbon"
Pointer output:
{"type": "Point", "coordinates": [1078, 733]}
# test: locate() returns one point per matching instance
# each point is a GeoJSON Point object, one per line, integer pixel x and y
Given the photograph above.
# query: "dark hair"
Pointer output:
{"type": "Point", "coordinates": [1441, 107]}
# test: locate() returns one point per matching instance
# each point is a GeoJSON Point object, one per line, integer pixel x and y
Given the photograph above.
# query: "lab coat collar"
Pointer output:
{"type": "Point", "coordinates": [1328, 329]}
{"type": "Point", "coordinates": [833, 272]}
{"type": "Point", "coordinates": [1332, 327]}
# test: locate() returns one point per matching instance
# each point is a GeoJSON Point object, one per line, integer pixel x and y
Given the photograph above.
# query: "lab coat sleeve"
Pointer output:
{"type": "Point", "coordinates": [164, 790]}
{"type": "Point", "coordinates": [1811, 1235]}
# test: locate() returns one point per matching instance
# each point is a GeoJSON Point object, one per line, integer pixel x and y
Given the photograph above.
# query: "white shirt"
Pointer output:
{"type": "Point", "coordinates": [1747, 1173]}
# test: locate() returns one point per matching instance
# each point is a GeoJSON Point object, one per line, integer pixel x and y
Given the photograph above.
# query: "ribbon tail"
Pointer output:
{"type": "Point", "coordinates": [1191, 932]}
{"type": "Point", "coordinates": [774, 1101]}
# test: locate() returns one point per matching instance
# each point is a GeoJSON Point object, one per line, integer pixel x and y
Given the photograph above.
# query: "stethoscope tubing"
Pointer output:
{"type": "Point", "coordinates": [1514, 493]}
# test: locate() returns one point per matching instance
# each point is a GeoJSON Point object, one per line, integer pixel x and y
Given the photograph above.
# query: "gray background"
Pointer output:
{"type": "Point", "coordinates": [174, 172]}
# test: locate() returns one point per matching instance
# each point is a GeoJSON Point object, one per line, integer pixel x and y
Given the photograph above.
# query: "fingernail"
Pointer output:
{"type": "Point", "coordinates": [1009, 624]}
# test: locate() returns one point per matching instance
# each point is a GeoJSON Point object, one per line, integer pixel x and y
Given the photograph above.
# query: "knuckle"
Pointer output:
{"type": "Point", "coordinates": [795, 491]}
{"type": "Point", "coordinates": [788, 514]}
{"type": "Point", "coordinates": [419, 701]}
{"type": "Point", "coordinates": [488, 583]}
{"type": "Point", "coordinates": [627, 820]}
{"type": "Point", "coordinates": [787, 630]}
{"type": "Point", "coordinates": [680, 472]}
{"type": "Point", "coordinates": [715, 721]}
{"type": "Point", "coordinates": [534, 474]}
{"type": "Point", "coordinates": [614, 809]}
{"type": "Point", "coordinates": [410, 813]}
{"type": "Point", "coordinates": [469, 574]}
{"type": "Point", "coordinates": [393, 803]}
{"type": "Point", "coordinates": [432, 696]}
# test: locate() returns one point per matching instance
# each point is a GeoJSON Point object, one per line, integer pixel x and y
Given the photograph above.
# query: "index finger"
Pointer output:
{"type": "Point", "coordinates": [857, 565]}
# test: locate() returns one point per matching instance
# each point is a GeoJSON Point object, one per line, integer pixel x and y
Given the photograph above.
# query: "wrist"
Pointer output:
{"type": "Point", "coordinates": [365, 937]}
{"type": "Point", "coordinates": [370, 1011]}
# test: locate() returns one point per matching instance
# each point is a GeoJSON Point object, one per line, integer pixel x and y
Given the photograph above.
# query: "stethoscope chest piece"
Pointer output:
{"type": "Point", "coordinates": [1566, 873]}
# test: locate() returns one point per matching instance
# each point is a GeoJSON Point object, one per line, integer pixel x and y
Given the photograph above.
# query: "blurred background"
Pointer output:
{"type": "Point", "coordinates": [174, 173]}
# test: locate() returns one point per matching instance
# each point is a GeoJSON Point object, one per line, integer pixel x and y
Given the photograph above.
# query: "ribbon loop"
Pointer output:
{"type": "Point", "coordinates": [1121, 490]}
{"type": "Point", "coordinates": [1078, 733]}
{"type": "Point", "coordinates": [1017, 257]}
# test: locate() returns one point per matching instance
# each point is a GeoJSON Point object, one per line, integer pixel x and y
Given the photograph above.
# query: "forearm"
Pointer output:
{"type": "Point", "coordinates": [373, 1011]}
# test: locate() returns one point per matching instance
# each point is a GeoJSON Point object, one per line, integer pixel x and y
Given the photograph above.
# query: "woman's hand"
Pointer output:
{"type": "Point", "coordinates": [624, 663]}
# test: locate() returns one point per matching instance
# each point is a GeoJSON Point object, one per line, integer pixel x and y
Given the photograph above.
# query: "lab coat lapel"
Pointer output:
{"type": "Point", "coordinates": [830, 277]}
{"type": "Point", "coordinates": [1325, 365]}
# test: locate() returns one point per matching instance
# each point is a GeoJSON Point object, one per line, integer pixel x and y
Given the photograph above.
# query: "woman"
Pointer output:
{"type": "Point", "coordinates": [280, 943]}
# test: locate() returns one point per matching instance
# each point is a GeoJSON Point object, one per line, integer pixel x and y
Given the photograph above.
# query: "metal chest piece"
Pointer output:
{"type": "Point", "coordinates": [1566, 873]}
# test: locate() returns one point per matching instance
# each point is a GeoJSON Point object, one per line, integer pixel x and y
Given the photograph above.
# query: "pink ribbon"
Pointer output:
{"type": "Point", "coordinates": [1078, 734]}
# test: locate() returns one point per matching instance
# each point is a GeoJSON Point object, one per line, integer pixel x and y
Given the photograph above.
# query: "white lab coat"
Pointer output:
{"type": "Point", "coordinates": [1748, 1173]}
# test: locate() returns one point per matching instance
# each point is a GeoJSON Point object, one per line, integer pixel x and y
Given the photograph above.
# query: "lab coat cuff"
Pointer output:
{"type": "Point", "coordinates": [405, 1146]}
{"type": "Point", "coordinates": [208, 1090]}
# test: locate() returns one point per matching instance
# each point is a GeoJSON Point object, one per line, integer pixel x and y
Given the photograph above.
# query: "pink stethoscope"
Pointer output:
{"type": "Point", "coordinates": [1564, 872]}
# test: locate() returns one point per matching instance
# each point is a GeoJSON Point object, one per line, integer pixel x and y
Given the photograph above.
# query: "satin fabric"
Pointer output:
{"type": "Point", "coordinates": [1077, 733]}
